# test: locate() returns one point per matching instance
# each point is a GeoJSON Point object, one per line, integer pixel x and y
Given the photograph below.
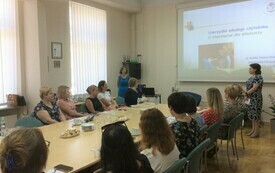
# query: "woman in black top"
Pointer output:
{"type": "Point", "coordinates": [93, 104]}
{"type": "Point", "coordinates": [132, 95]}
{"type": "Point", "coordinates": [119, 153]}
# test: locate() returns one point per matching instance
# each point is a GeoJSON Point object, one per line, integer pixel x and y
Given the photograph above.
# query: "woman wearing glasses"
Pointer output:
{"type": "Point", "coordinates": [157, 140]}
{"type": "Point", "coordinates": [119, 153]}
{"type": "Point", "coordinates": [24, 150]}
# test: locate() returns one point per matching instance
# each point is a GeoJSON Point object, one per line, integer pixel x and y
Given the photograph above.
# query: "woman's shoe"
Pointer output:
{"type": "Point", "coordinates": [254, 135]}
{"type": "Point", "coordinates": [250, 133]}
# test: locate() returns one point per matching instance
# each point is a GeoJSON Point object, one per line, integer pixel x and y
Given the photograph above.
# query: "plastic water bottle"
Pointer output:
{"type": "Point", "coordinates": [156, 101]}
{"type": "Point", "coordinates": [3, 127]}
{"type": "Point", "coordinates": [138, 100]}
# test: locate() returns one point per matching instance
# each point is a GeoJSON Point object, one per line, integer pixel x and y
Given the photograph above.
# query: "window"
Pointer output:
{"type": "Point", "coordinates": [88, 46]}
{"type": "Point", "coordinates": [8, 49]}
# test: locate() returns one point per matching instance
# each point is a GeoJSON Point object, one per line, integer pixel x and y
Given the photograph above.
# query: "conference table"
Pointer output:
{"type": "Point", "coordinates": [82, 151]}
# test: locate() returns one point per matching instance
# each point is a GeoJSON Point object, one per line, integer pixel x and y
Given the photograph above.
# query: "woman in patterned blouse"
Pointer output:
{"type": "Point", "coordinates": [231, 109]}
{"type": "Point", "coordinates": [214, 112]}
{"type": "Point", "coordinates": [47, 110]}
{"type": "Point", "coordinates": [186, 129]}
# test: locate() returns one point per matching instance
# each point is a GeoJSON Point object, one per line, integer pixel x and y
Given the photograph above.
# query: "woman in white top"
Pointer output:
{"type": "Point", "coordinates": [104, 96]}
{"type": "Point", "coordinates": [157, 140]}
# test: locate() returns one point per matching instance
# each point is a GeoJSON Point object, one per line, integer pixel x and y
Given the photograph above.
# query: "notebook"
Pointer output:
{"type": "Point", "coordinates": [148, 91]}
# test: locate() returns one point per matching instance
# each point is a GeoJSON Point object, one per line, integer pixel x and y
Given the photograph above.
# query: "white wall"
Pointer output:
{"type": "Point", "coordinates": [157, 40]}
{"type": "Point", "coordinates": [31, 52]}
{"type": "Point", "coordinates": [46, 21]}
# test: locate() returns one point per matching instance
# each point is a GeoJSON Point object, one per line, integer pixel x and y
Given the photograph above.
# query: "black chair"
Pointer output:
{"type": "Point", "coordinates": [196, 96]}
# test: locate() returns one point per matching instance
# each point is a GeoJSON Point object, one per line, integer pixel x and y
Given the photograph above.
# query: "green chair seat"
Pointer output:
{"type": "Point", "coordinates": [177, 166]}
{"type": "Point", "coordinates": [28, 121]}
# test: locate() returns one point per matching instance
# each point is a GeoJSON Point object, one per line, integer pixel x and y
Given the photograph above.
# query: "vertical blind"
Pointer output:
{"type": "Point", "coordinates": [8, 49]}
{"type": "Point", "coordinates": [88, 46]}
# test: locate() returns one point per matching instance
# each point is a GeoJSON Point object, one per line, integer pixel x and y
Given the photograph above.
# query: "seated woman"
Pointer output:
{"type": "Point", "coordinates": [132, 95]}
{"type": "Point", "coordinates": [157, 140]}
{"type": "Point", "coordinates": [191, 110]}
{"type": "Point", "coordinates": [66, 105]}
{"type": "Point", "coordinates": [186, 129]}
{"type": "Point", "coordinates": [24, 150]}
{"type": "Point", "coordinates": [93, 105]}
{"type": "Point", "coordinates": [119, 153]}
{"type": "Point", "coordinates": [47, 110]}
{"type": "Point", "coordinates": [104, 96]}
{"type": "Point", "coordinates": [231, 109]}
{"type": "Point", "coordinates": [214, 112]}
{"type": "Point", "coordinates": [240, 98]}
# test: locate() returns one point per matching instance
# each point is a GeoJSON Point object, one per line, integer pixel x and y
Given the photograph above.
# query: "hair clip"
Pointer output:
{"type": "Point", "coordinates": [10, 162]}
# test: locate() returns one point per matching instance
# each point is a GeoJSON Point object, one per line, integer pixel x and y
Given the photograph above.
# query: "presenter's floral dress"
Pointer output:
{"type": "Point", "coordinates": [256, 98]}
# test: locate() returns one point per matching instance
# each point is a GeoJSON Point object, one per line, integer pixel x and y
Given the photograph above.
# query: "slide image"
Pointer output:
{"type": "Point", "coordinates": [216, 56]}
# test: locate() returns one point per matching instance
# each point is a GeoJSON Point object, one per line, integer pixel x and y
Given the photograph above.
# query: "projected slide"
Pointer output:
{"type": "Point", "coordinates": [218, 43]}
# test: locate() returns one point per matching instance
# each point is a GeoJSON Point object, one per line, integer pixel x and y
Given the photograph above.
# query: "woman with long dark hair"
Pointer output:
{"type": "Point", "coordinates": [119, 153]}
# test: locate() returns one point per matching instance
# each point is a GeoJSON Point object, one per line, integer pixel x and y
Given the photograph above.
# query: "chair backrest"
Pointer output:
{"type": "Point", "coordinates": [239, 120]}
{"type": "Point", "coordinates": [233, 125]}
{"type": "Point", "coordinates": [177, 166]}
{"type": "Point", "coordinates": [120, 101]}
{"type": "Point", "coordinates": [28, 121]}
{"type": "Point", "coordinates": [84, 108]}
{"type": "Point", "coordinates": [212, 132]}
{"type": "Point", "coordinates": [203, 129]}
{"type": "Point", "coordinates": [194, 157]}
{"type": "Point", "coordinates": [196, 96]}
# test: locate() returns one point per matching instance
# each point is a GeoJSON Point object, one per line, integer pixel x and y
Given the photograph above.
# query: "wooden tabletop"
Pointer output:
{"type": "Point", "coordinates": [82, 151]}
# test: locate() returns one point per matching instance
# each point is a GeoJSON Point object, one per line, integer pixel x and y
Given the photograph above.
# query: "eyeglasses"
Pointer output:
{"type": "Point", "coordinates": [113, 124]}
{"type": "Point", "coordinates": [47, 143]}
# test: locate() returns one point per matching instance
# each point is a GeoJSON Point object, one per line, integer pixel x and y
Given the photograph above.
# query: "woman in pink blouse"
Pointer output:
{"type": "Point", "coordinates": [214, 112]}
{"type": "Point", "coordinates": [66, 105]}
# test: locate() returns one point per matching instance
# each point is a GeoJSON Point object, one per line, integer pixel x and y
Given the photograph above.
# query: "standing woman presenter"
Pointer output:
{"type": "Point", "coordinates": [122, 82]}
{"type": "Point", "coordinates": [254, 98]}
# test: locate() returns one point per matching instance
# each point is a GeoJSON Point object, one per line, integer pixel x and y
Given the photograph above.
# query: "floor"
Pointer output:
{"type": "Point", "coordinates": [257, 157]}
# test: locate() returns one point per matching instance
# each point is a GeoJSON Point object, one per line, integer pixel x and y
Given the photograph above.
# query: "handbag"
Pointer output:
{"type": "Point", "coordinates": [15, 100]}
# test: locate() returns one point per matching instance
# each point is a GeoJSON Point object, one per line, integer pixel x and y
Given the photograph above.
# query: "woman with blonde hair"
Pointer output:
{"type": "Point", "coordinates": [157, 140]}
{"type": "Point", "coordinates": [92, 103]}
{"type": "Point", "coordinates": [215, 109]}
{"type": "Point", "coordinates": [47, 110]}
{"type": "Point", "coordinates": [231, 109]}
{"type": "Point", "coordinates": [66, 104]}
{"type": "Point", "coordinates": [24, 150]}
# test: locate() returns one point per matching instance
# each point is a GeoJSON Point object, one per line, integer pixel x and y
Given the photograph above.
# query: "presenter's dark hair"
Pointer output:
{"type": "Point", "coordinates": [257, 67]}
{"type": "Point", "coordinates": [118, 151]}
{"type": "Point", "coordinates": [24, 150]}
{"type": "Point", "coordinates": [178, 102]}
{"type": "Point", "coordinates": [191, 104]}
{"type": "Point", "coordinates": [101, 84]}
{"type": "Point", "coordinates": [121, 69]}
